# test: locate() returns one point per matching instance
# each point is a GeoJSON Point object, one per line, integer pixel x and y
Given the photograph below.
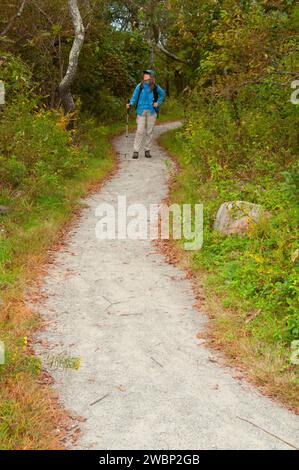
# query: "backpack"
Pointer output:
{"type": "Point", "coordinates": [156, 96]}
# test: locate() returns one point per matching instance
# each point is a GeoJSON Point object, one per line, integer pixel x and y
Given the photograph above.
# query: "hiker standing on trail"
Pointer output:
{"type": "Point", "coordinates": [147, 98]}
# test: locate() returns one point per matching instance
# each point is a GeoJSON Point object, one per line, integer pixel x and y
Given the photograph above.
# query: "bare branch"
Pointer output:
{"type": "Point", "coordinates": [14, 18]}
{"type": "Point", "coordinates": [43, 12]}
{"type": "Point", "coordinates": [170, 54]}
{"type": "Point", "coordinates": [163, 49]}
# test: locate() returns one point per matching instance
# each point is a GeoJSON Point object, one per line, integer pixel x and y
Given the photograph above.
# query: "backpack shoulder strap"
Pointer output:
{"type": "Point", "coordinates": [139, 93]}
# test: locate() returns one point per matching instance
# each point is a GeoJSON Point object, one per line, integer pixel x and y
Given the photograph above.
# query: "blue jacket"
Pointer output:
{"type": "Point", "coordinates": [146, 98]}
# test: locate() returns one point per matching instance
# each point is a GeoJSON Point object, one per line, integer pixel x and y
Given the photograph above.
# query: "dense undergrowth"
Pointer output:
{"type": "Point", "coordinates": [255, 276]}
{"type": "Point", "coordinates": [240, 143]}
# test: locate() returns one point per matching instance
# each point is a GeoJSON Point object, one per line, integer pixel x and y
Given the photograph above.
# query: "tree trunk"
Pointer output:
{"type": "Point", "coordinates": [152, 56]}
{"type": "Point", "coordinates": [66, 83]}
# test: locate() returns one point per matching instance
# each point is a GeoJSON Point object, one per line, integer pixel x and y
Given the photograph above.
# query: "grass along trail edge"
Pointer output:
{"type": "Point", "coordinates": [262, 362]}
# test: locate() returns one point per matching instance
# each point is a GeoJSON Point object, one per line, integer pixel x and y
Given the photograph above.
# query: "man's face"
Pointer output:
{"type": "Point", "coordinates": [146, 77]}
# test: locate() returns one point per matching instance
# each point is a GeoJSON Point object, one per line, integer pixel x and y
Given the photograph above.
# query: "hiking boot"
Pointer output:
{"type": "Point", "coordinates": [147, 154]}
{"type": "Point", "coordinates": [135, 155]}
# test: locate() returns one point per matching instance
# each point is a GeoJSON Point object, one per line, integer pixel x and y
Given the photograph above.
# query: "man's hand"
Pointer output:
{"type": "Point", "coordinates": [156, 105]}
{"type": "Point", "coordinates": [128, 105]}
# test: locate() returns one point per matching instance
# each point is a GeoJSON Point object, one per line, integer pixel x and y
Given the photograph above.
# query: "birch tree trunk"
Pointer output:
{"type": "Point", "coordinates": [66, 83]}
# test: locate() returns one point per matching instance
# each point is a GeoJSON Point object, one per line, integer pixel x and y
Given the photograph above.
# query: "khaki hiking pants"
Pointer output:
{"type": "Point", "coordinates": [145, 126]}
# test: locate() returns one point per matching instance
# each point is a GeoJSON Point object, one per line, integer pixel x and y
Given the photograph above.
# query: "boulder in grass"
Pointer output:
{"type": "Point", "coordinates": [4, 210]}
{"type": "Point", "coordinates": [238, 216]}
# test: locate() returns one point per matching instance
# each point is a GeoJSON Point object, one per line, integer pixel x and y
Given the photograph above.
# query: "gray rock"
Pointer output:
{"type": "Point", "coordinates": [4, 210]}
{"type": "Point", "coordinates": [238, 216]}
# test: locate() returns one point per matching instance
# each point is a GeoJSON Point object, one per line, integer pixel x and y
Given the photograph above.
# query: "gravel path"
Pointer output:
{"type": "Point", "coordinates": [146, 381]}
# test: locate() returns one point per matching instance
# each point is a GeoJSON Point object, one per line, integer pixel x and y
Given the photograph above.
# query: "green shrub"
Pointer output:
{"type": "Point", "coordinates": [228, 160]}
{"type": "Point", "coordinates": [16, 77]}
{"type": "Point", "coordinates": [36, 151]}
